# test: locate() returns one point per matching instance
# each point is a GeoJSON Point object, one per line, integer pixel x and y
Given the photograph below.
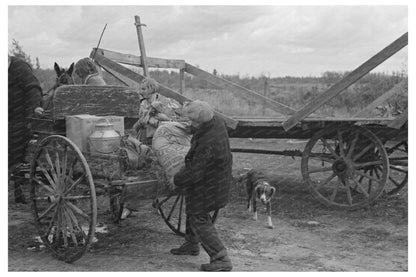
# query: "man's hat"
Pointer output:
{"type": "Point", "coordinates": [198, 111]}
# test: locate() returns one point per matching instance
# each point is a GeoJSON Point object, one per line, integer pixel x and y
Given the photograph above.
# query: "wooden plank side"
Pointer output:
{"type": "Point", "coordinates": [136, 60]}
{"type": "Point", "coordinates": [396, 89]}
{"type": "Point", "coordinates": [222, 83]}
{"type": "Point", "coordinates": [95, 100]}
{"type": "Point", "coordinates": [110, 65]}
{"type": "Point", "coordinates": [347, 81]}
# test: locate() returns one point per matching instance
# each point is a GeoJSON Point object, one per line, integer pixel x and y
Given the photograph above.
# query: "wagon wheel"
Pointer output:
{"type": "Point", "coordinates": [398, 159]}
{"type": "Point", "coordinates": [172, 210]}
{"type": "Point", "coordinates": [345, 167]}
{"type": "Point", "coordinates": [63, 198]}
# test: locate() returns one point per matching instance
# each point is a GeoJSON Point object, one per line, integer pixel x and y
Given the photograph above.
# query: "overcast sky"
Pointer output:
{"type": "Point", "coordinates": [271, 40]}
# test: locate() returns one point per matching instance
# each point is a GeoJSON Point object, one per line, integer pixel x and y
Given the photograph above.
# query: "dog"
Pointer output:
{"type": "Point", "coordinates": [259, 189]}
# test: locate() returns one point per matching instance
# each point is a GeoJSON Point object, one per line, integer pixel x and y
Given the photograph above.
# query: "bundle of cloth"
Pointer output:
{"type": "Point", "coordinates": [137, 153]}
{"type": "Point", "coordinates": [171, 143]}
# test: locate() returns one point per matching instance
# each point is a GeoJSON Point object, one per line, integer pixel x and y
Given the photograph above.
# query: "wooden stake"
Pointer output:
{"type": "Point", "coordinates": [141, 45]}
{"type": "Point", "coordinates": [181, 81]}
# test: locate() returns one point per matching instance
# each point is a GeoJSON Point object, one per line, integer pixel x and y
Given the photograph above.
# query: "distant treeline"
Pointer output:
{"type": "Point", "coordinates": [292, 91]}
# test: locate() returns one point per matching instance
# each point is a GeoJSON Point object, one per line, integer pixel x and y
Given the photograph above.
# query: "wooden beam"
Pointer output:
{"type": "Point", "coordinates": [347, 81]}
{"type": "Point", "coordinates": [128, 82]}
{"type": "Point", "coordinates": [399, 121]}
{"type": "Point", "coordinates": [396, 89]}
{"type": "Point", "coordinates": [291, 153]}
{"type": "Point", "coordinates": [136, 60]}
{"type": "Point", "coordinates": [222, 83]}
{"type": "Point", "coordinates": [141, 45]}
{"type": "Point", "coordinates": [134, 77]}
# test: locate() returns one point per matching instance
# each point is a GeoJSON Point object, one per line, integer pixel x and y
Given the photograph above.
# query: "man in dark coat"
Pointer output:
{"type": "Point", "coordinates": [25, 97]}
{"type": "Point", "coordinates": [206, 180]}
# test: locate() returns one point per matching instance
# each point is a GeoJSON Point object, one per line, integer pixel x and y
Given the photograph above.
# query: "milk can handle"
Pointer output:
{"type": "Point", "coordinates": [101, 120]}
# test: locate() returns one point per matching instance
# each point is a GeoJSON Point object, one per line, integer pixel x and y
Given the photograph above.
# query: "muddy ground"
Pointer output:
{"type": "Point", "coordinates": [307, 235]}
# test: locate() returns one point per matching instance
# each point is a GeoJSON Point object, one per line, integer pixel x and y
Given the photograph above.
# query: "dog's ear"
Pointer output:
{"type": "Point", "coordinates": [272, 191]}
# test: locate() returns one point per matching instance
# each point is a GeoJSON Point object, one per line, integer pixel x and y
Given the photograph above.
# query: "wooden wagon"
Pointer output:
{"type": "Point", "coordinates": [347, 162]}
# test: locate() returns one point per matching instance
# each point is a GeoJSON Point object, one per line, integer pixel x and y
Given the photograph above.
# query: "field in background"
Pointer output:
{"type": "Point", "coordinates": [294, 92]}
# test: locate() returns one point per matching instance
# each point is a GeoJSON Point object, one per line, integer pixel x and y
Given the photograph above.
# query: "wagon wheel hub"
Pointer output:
{"type": "Point", "coordinates": [54, 198]}
{"type": "Point", "coordinates": [341, 168]}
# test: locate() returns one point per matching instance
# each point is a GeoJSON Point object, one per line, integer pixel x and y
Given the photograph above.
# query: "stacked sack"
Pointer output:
{"type": "Point", "coordinates": [171, 143]}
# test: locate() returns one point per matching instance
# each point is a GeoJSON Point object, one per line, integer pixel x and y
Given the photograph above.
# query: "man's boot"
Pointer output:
{"type": "Point", "coordinates": [221, 264]}
{"type": "Point", "coordinates": [188, 248]}
{"type": "Point", "coordinates": [19, 196]}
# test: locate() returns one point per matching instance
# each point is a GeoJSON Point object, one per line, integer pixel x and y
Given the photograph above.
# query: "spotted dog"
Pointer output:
{"type": "Point", "coordinates": [259, 189]}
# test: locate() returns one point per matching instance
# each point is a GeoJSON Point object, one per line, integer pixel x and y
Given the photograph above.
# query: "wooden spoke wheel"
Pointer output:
{"type": "Point", "coordinates": [345, 167]}
{"type": "Point", "coordinates": [63, 198]}
{"type": "Point", "coordinates": [398, 159]}
{"type": "Point", "coordinates": [172, 210]}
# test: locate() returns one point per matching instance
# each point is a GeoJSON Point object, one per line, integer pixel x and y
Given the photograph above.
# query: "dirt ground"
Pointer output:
{"type": "Point", "coordinates": [307, 236]}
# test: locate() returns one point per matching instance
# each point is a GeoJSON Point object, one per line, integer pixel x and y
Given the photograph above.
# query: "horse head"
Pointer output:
{"type": "Point", "coordinates": [64, 76]}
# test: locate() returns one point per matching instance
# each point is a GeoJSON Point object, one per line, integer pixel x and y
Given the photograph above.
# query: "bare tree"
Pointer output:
{"type": "Point", "coordinates": [17, 51]}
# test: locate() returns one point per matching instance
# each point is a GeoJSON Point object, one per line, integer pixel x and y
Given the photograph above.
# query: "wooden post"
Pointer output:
{"type": "Point", "coordinates": [141, 45]}
{"type": "Point", "coordinates": [351, 78]}
{"type": "Point", "coordinates": [266, 87]}
{"type": "Point", "coordinates": [181, 81]}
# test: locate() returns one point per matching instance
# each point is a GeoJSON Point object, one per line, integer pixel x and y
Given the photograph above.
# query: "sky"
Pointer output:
{"type": "Point", "coordinates": [248, 40]}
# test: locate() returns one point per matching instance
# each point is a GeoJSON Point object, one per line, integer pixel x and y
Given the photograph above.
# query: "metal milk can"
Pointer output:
{"type": "Point", "coordinates": [104, 139]}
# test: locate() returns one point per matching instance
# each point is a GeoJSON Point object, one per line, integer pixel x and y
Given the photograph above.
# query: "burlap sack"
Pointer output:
{"type": "Point", "coordinates": [171, 143]}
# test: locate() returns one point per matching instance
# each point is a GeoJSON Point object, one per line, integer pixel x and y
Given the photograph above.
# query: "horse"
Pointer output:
{"type": "Point", "coordinates": [63, 77]}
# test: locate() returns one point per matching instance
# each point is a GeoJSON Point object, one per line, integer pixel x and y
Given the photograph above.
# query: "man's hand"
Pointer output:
{"type": "Point", "coordinates": [172, 181]}
{"type": "Point", "coordinates": [171, 184]}
{"type": "Point", "coordinates": [39, 111]}
{"type": "Point", "coordinates": [138, 125]}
